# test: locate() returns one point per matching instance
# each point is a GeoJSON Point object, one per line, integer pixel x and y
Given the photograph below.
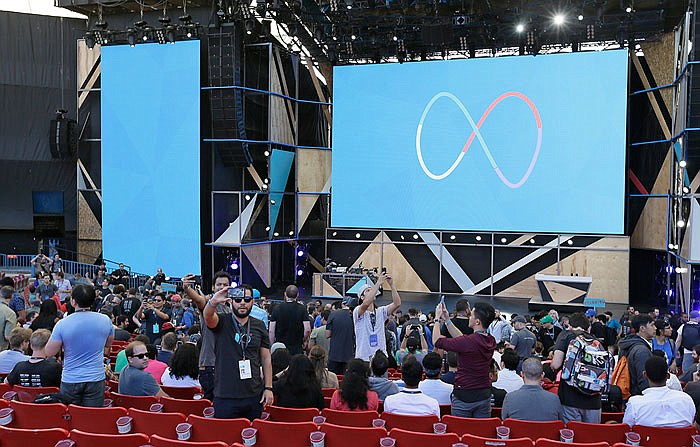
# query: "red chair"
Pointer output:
{"type": "Point", "coordinates": [534, 430]}
{"type": "Point", "coordinates": [478, 441]}
{"type": "Point", "coordinates": [18, 437]}
{"type": "Point", "coordinates": [211, 429]}
{"type": "Point", "coordinates": [665, 437]}
{"type": "Point", "coordinates": [496, 412]}
{"type": "Point", "coordinates": [328, 392]}
{"type": "Point", "coordinates": [29, 393]}
{"type": "Point", "coordinates": [157, 441]}
{"type": "Point", "coordinates": [405, 438]}
{"type": "Point", "coordinates": [4, 388]}
{"type": "Point", "coordinates": [28, 415]}
{"type": "Point", "coordinates": [542, 442]}
{"type": "Point", "coordinates": [274, 434]}
{"type": "Point", "coordinates": [615, 417]}
{"type": "Point", "coordinates": [83, 439]}
{"type": "Point", "coordinates": [281, 414]}
{"type": "Point", "coordinates": [445, 409]}
{"type": "Point", "coordinates": [138, 402]}
{"type": "Point", "coordinates": [584, 432]}
{"type": "Point", "coordinates": [113, 385]}
{"type": "Point", "coordinates": [339, 436]}
{"type": "Point", "coordinates": [185, 406]}
{"type": "Point", "coordinates": [422, 424]}
{"type": "Point", "coordinates": [350, 418]}
{"type": "Point", "coordinates": [181, 392]}
{"type": "Point", "coordinates": [95, 420]}
{"type": "Point", "coordinates": [327, 402]}
{"type": "Point", "coordinates": [162, 424]}
{"type": "Point", "coordinates": [485, 428]}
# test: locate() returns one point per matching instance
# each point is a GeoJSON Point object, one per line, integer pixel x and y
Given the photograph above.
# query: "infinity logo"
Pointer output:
{"type": "Point", "coordinates": [476, 133]}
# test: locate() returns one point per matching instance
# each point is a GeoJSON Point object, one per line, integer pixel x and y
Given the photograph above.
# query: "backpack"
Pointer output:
{"type": "Point", "coordinates": [587, 366]}
{"type": "Point", "coordinates": [621, 377]}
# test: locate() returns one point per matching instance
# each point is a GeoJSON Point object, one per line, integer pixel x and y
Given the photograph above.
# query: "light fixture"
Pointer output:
{"type": "Point", "coordinates": [357, 235]}
{"type": "Point", "coordinates": [670, 246]}
{"type": "Point", "coordinates": [353, 37]}
{"type": "Point", "coordinates": [453, 237]}
{"type": "Point", "coordinates": [247, 197]}
{"type": "Point", "coordinates": [680, 223]}
{"type": "Point", "coordinates": [532, 241]}
{"type": "Point", "coordinates": [403, 238]}
{"type": "Point", "coordinates": [131, 36]}
{"type": "Point", "coordinates": [628, 9]}
{"type": "Point", "coordinates": [300, 252]}
{"type": "Point", "coordinates": [478, 238]}
{"type": "Point", "coordinates": [275, 234]}
{"type": "Point", "coordinates": [570, 242]}
{"type": "Point", "coordinates": [272, 202]}
{"type": "Point", "coordinates": [300, 271]}
{"type": "Point", "coordinates": [503, 240]}
{"type": "Point", "coordinates": [520, 28]}
{"type": "Point", "coordinates": [559, 19]}
{"type": "Point", "coordinates": [234, 284]}
{"type": "Point", "coordinates": [580, 17]}
{"type": "Point", "coordinates": [234, 264]}
{"type": "Point", "coordinates": [267, 228]}
{"type": "Point", "coordinates": [291, 233]}
{"type": "Point", "coordinates": [266, 181]}
{"type": "Point", "coordinates": [249, 26]}
{"type": "Point", "coordinates": [682, 163]}
{"type": "Point", "coordinates": [335, 233]}
{"type": "Point", "coordinates": [681, 270]}
{"type": "Point", "coordinates": [266, 153]}
{"type": "Point", "coordinates": [415, 236]}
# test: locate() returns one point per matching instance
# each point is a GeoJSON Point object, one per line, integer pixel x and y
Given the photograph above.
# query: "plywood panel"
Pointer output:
{"type": "Point", "coordinates": [88, 226]}
{"type": "Point", "coordinates": [87, 58]}
{"type": "Point", "coordinates": [259, 257]}
{"type": "Point", "coordinates": [660, 56]}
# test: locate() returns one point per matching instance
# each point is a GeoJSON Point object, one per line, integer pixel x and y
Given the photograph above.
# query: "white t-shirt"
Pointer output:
{"type": "Point", "coordinates": [183, 382]}
{"type": "Point", "coordinates": [369, 337]}
{"type": "Point", "coordinates": [660, 407]}
{"type": "Point", "coordinates": [437, 389]}
{"type": "Point", "coordinates": [412, 403]}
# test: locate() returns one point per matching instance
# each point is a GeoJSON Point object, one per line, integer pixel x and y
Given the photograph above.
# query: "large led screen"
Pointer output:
{"type": "Point", "coordinates": [523, 144]}
{"type": "Point", "coordinates": [150, 156]}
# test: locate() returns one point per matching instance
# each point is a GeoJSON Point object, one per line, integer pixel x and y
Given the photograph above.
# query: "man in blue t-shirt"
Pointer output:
{"type": "Point", "coordinates": [134, 380]}
{"type": "Point", "coordinates": [86, 338]}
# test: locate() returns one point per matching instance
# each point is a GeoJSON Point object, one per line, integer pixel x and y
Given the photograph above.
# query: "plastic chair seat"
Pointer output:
{"type": "Point", "coordinates": [95, 420]}
{"type": "Point", "coordinates": [158, 441]}
{"type": "Point", "coordinates": [29, 393]}
{"type": "Point", "coordinates": [534, 429]}
{"type": "Point", "coordinates": [552, 443]}
{"type": "Point", "coordinates": [339, 436]}
{"type": "Point", "coordinates": [211, 429]}
{"type": "Point", "coordinates": [584, 432]}
{"type": "Point", "coordinates": [486, 428]}
{"type": "Point", "coordinates": [138, 402]}
{"type": "Point", "coordinates": [405, 438]}
{"type": "Point", "coordinates": [423, 424]}
{"type": "Point", "coordinates": [181, 392]}
{"type": "Point", "coordinates": [185, 406]}
{"type": "Point", "coordinates": [18, 437]}
{"type": "Point", "coordinates": [350, 418]}
{"type": "Point", "coordinates": [478, 441]}
{"type": "Point", "coordinates": [281, 414]}
{"type": "Point", "coordinates": [665, 437]}
{"type": "Point", "coordinates": [162, 424]}
{"type": "Point", "coordinates": [84, 439]}
{"type": "Point", "coordinates": [275, 434]}
{"type": "Point", "coordinates": [27, 415]}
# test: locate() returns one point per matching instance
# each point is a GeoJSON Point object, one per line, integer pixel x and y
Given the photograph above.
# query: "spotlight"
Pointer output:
{"type": "Point", "coordinates": [90, 40]}
{"type": "Point", "coordinates": [682, 163]}
{"type": "Point", "coordinates": [403, 238]}
{"type": "Point", "coordinates": [453, 237]}
{"type": "Point", "coordinates": [680, 223]}
{"type": "Point", "coordinates": [300, 252]}
{"type": "Point", "coordinates": [628, 9]}
{"type": "Point", "coordinates": [234, 284]}
{"type": "Point", "coordinates": [670, 246]}
{"type": "Point", "coordinates": [266, 181]}
{"type": "Point", "coordinates": [580, 17]}
{"type": "Point", "coordinates": [520, 28]}
{"type": "Point", "coordinates": [291, 233]}
{"type": "Point", "coordinates": [170, 35]}
{"type": "Point", "coordinates": [681, 270]}
{"type": "Point", "coordinates": [300, 271]}
{"type": "Point", "coordinates": [131, 37]}
{"type": "Point", "coordinates": [266, 153]}
{"type": "Point", "coordinates": [570, 242]}
{"type": "Point", "coordinates": [234, 264]}
{"type": "Point", "coordinates": [275, 234]}
{"type": "Point", "coordinates": [264, 186]}
{"type": "Point", "coordinates": [559, 19]}
{"type": "Point", "coordinates": [503, 240]}
{"type": "Point", "coordinates": [532, 241]}
{"type": "Point", "coordinates": [272, 202]}
{"type": "Point", "coordinates": [247, 197]}
{"type": "Point", "coordinates": [415, 236]}
{"type": "Point", "coordinates": [686, 190]}
{"type": "Point", "coordinates": [335, 233]}
{"type": "Point", "coordinates": [249, 26]}
{"type": "Point", "coordinates": [357, 235]}
{"type": "Point", "coordinates": [353, 37]}
{"type": "Point", "coordinates": [478, 238]}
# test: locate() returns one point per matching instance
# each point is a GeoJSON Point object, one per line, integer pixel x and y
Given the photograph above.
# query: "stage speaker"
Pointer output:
{"type": "Point", "coordinates": [63, 138]}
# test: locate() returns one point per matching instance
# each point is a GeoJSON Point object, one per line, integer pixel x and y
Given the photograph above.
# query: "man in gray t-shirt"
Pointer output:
{"type": "Point", "coordinates": [133, 380]}
{"type": "Point", "coordinates": [522, 340]}
{"type": "Point", "coordinates": [531, 402]}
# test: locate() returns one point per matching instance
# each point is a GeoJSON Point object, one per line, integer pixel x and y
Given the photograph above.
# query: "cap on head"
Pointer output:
{"type": "Point", "coordinates": [363, 288]}
{"type": "Point", "coordinates": [590, 313]}
{"type": "Point", "coordinates": [695, 314]}
{"type": "Point", "coordinates": [546, 319]}
{"type": "Point", "coordinates": [519, 320]}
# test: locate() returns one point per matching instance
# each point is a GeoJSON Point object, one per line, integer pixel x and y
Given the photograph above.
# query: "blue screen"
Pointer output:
{"type": "Point", "coordinates": [47, 202]}
{"type": "Point", "coordinates": [523, 144]}
{"type": "Point", "coordinates": [150, 157]}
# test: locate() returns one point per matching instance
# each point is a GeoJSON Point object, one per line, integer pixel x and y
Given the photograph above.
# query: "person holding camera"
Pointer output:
{"type": "Point", "coordinates": [242, 347]}
{"type": "Point", "coordinates": [369, 320]}
{"type": "Point", "coordinates": [413, 344]}
{"type": "Point", "coordinates": [152, 315]}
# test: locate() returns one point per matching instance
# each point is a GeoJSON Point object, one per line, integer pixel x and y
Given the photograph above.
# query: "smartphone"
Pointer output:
{"type": "Point", "coordinates": [442, 300]}
{"type": "Point", "coordinates": [235, 292]}
{"type": "Point", "coordinates": [383, 269]}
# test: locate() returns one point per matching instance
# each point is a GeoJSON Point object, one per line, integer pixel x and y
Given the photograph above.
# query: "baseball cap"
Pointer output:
{"type": "Point", "coordinates": [167, 326]}
{"type": "Point", "coordinates": [519, 320]}
{"type": "Point", "coordinates": [256, 294]}
{"type": "Point", "coordinates": [422, 318]}
{"type": "Point", "coordinates": [362, 290]}
{"type": "Point", "coordinates": [546, 319]}
{"type": "Point", "coordinates": [694, 314]}
{"type": "Point", "coordinates": [175, 297]}
{"type": "Point", "coordinates": [590, 313]}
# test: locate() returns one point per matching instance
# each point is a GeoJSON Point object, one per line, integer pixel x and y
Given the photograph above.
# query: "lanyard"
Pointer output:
{"type": "Point", "coordinates": [373, 319]}
{"type": "Point", "coordinates": [242, 338]}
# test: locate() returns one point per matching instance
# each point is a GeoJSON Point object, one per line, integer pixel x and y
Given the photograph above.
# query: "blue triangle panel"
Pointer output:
{"type": "Point", "coordinates": [280, 167]}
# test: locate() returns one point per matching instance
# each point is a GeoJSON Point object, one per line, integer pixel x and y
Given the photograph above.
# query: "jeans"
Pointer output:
{"type": "Point", "coordinates": [85, 394]}
{"type": "Point", "coordinates": [227, 408]}
{"type": "Point", "coordinates": [206, 381]}
{"type": "Point", "coordinates": [687, 360]}
{"type": "Point", "coordinates": [478, 409]}
{"type": "Point", "coordinates": [580, 414]}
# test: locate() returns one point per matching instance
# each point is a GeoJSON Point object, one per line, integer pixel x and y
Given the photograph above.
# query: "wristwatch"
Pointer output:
{"type": "Point", "coordinates": [268, 388]}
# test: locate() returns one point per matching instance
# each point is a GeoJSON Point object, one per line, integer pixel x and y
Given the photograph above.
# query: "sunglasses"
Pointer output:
{"type": "Point", "coordinates": [247, 299]}
{"type": "Point", "coordinates": [140, 356]}
{"type": "Point", "coordinates": [158, 300]}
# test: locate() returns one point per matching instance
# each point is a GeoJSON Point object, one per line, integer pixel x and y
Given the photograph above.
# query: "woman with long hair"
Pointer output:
{"type": "Point", "coordinates": [47, 318]}
{"type": "Point", "coordinates": [318, 358]}
{"type": "Point", "coordinates": [354, 393]}
{"type": "Point", "coordinates": [298, 387]}
{"type": "Point", "coordinates": [184, 367]}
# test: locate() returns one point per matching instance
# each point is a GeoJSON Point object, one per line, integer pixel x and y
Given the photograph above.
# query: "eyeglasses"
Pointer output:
{"type": "Point", "coordinates": [158, 300]}
{"type": "Point", "coordinates": [140, 356]}
{"type": "Point", "coordinates": [247, 299]}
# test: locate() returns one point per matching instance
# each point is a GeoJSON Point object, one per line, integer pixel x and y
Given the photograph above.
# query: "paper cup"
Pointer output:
{"type": "Point", "coordinates": [459, 444]}
{"type": "Point", "coordinates": [208, 412]}
{"type": "Point", "coordinates": [10, 395]}
{"type": "Point", "coordinates": [108, 403]}
{"type": "Point", "coordinates": [439, 428]}
{"type": "Point", "coordinates": [65, 443]}
{"type": "Point", "coordinates": [696, 440]}
{"type": "Point", "coordinates": [6, 416]}
{"type": "Point", "coordinates": [198, 396]}
{"type": "Point", "coordinates": [156, 408]}
{"type": "Point", "coordinates": [633, 438]}
{"type": "Point", "coordinates": [566, 435]}
{"type": "Point", "coordinates": [502, 432]}
{"type": "Point", "coordinates": [264, 415]}
{"type": "Point", "coordinates": [378, 423]}
{"type": "Point", "coordinates": [183, 431]}
{"type": "Point", "coordinates": [318, 420]}
{"type": "Point", "coordinates": [387, 442]}
{"type": "Point", "coordinates": [249, 435]}
{"type": "Point", "coordinates": [317, 438]}
{"type": "Point", "coordinates": [124, 425]}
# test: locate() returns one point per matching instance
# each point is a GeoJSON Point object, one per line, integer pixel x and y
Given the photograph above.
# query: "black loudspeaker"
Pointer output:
{"type": "Point", "coordinates": [63, 138]}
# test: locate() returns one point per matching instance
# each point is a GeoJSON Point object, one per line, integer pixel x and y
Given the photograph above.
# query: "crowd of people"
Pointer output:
{"type": "Point", "coordinates": [245, 351]}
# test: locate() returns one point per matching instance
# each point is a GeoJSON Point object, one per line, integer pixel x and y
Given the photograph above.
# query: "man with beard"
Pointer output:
{"type": "Point", "coordinates": [242, 347]}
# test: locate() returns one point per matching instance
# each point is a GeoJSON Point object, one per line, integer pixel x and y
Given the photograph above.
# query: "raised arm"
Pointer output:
{"type": "Point", "coordinates": [371, 295]}
{"type": "Point", "coordinates": [210, 316]}
{"type": "Point", "coordinates": [395, 297]}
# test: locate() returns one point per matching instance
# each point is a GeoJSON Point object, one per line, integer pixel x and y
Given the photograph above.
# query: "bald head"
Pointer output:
{"type": "Point", "coordinates": [291, 292]}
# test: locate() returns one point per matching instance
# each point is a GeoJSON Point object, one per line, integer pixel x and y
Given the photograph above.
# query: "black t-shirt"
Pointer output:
{"type": "Point", "coordinates": [289, 318]}
{"type": "Point", "coordinates": [129, 306]}
{"type": "Point", "coordinates": [460, 323]}
{"type": "Point", "coordinates": [227, 381]}
{"type": "Point", "coordinates": [548, 336]}
{"type": "Point", "coordinates": [693, 390]}
{"type": "Point", "coordinates": [569, 395]}
{"type": "Point", "coordinates": [159, 278]}
{"type": "Point", "coordinates": [497, 396]}
{"type": "Point", "coordinates": [153, 323]}
{"type": "Point", "coordinates": [43, 373]}
{"type": "Point", "coordinates": [342, 346]}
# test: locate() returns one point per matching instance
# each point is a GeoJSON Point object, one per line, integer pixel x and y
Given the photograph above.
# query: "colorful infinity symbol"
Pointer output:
{"type": "Point", "coordinates": [476, 133]}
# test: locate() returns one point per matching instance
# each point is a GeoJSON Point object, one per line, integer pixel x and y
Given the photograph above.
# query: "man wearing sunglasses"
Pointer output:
{"type": "Point", "coordinates": [242, 348]}
{"type": "Point", "coordinates": [134, 380]}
